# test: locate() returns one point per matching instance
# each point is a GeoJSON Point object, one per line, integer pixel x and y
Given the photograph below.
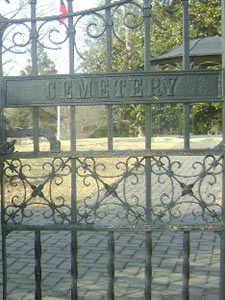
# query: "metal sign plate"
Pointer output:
{"type": "Point", "coordinates": [113, 88]}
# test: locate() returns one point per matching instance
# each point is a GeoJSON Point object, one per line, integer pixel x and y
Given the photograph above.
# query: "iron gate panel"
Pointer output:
{"type": "Point", "coordinates": [115, 191]}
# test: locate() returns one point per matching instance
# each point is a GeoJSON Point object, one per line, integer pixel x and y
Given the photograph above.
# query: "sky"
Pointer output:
{"type": "Point", "coordinates": [53, 4]}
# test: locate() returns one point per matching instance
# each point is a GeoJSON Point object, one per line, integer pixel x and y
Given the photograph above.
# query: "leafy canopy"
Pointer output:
{"type": "Point", "coordinates": [166, 33]}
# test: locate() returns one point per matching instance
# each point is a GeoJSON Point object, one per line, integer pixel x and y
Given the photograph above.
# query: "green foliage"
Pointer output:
{"type": "Point", "coordinates": [96, 131]}
{"type": "Point", "coordinates": [166, 34]}
{"type": "Point", "coordinates": [20, 118]}
{"type": "Point", "coordinates": [205, 117]}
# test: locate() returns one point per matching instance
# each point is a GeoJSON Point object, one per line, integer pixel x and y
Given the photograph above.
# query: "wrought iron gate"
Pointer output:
{"type": "Point", "coordinates": [132, 191]}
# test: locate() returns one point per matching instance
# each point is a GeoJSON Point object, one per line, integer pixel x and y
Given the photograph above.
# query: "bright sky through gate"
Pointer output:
{"type": "Point", "coordinates": [44, 8]}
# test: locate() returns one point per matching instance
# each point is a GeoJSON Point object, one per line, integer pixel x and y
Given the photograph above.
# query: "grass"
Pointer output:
{"type": "Point", "coordinates": [101, 144]}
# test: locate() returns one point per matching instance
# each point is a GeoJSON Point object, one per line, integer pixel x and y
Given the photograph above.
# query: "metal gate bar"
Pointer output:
{"type": "Point", "coordinates": [148, 266]}
{"type": "Point", "coordinates": [111, 266]}
{"type": "Point", "coordinates": [38, 271]}
{"type": "Point", "coordinates": [74, 266]}
{"type": "Point", "coordinates": [186, 65]}
{"type": "Point", "coordinates": [111, 255]}
{"type": "Point", "coordinates": [148, 143]}
{"type": "Point", "coordinates": [186, 266]}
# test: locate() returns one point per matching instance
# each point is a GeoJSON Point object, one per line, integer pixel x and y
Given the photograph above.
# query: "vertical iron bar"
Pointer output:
{"type": "Point", "coordinates": [109, 69]}
{"type": "Point", "coordinates": [34, 37]}
{"type": "Point", "coordinates": [222, 265]}
{"type": "Point", "coordinates": [110, 112]}
{"type": "Point", "coordinates": [148, 266]}
{"type": "Point", "coordinates": [74, 266]}
{"type": "Point", "coordinates": [186, 58]}
{"type": "Point", "coordinates": [186, 63]}
{"type": "Point", "coordinates": [71, 36]}
{"type": "Point", "coordinates": [108, 36]}
{"type": "Point", "coordinates": [222, 235]}
{"type": "Point", "coordinates": [72, 128]}
{"type": "Point", "coordinates": [4, 263]}
{"type": "Point", "coordinates": [74, 247]}
{"type": "Point", "coordinates": [187, 126]}
{"type": "Point", "coordinates": [111, 266]}
{"type": "Point", "coordinates": [3, 232]}
{"type": "Point", "coordinates": [147, 40]}
{"type": "Point", "coordinates": [186, 265]}
{"type": "Point", "coordinates": [36, 128]}
{"type": "Point", "coordinates": [148, 126]}
{"type": "Point", "coordinates": [37, 248]}
{"type": "Point", "coordinates": [148, 138]}
{"type": "Point", "coordinates": [111, 245]}
{"type": "Point", "coordinates": [147, 67]}
{"type": "Point", "coordinates": [2, 137]}
{"type": "Point", "coordinates": [148, 236]}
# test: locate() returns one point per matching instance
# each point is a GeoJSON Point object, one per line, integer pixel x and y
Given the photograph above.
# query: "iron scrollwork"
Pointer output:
{"type": "Point", "coordinates": [182, 191]}
{"type": "Point", "coordinates": [189, 196]}
{"type": "Point", "coordinates": [112, 201]}
{"type": "Point", "coordinates": [28, 191]}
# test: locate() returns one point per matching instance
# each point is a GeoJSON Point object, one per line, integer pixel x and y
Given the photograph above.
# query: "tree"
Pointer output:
{"type": "Point", "coordinates": [166, 34]}
{"type": "Point", "coordinates": [45, 65]}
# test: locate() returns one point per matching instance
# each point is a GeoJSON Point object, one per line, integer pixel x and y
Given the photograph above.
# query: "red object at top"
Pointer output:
{"type": "Point", "coordinates": [63, 10]}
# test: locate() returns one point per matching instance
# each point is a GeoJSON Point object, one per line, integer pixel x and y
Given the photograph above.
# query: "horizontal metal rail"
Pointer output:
{"type": "Point", "coordinates": [117, 228]}
{"type": "Point", "coordinates": [115, 153]}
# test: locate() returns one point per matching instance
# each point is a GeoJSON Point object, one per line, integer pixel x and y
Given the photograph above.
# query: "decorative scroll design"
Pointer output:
{"type": "Point", "coordinates": [112, 200]}
{"type": "Point", "coordinates": [112, 190]}
{"type": "Point", "coordinates": [171, 6]}
{"type": "Point", "coordinates": [130, 16]}
{"type": "Point", "coordinates": [17, 39]}
{"type": "Point", "coordinates": [188, 195]}
{"type": "Point", "coordinates": [92, 26]}
{"type": "Point", "coordinates": [32, 191]}
{"type": "Point", "coordinates": [17, 35]}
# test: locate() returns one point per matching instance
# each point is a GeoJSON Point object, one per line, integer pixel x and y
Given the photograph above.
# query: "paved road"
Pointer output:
{"type": "Point", "coordinates": [129, 265]}
{"type": "Point", "coordinates": [130, 252]}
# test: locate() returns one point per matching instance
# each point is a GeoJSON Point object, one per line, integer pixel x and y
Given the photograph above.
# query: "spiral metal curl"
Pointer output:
{"type": "Point", "coordinates": [171, 6]}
